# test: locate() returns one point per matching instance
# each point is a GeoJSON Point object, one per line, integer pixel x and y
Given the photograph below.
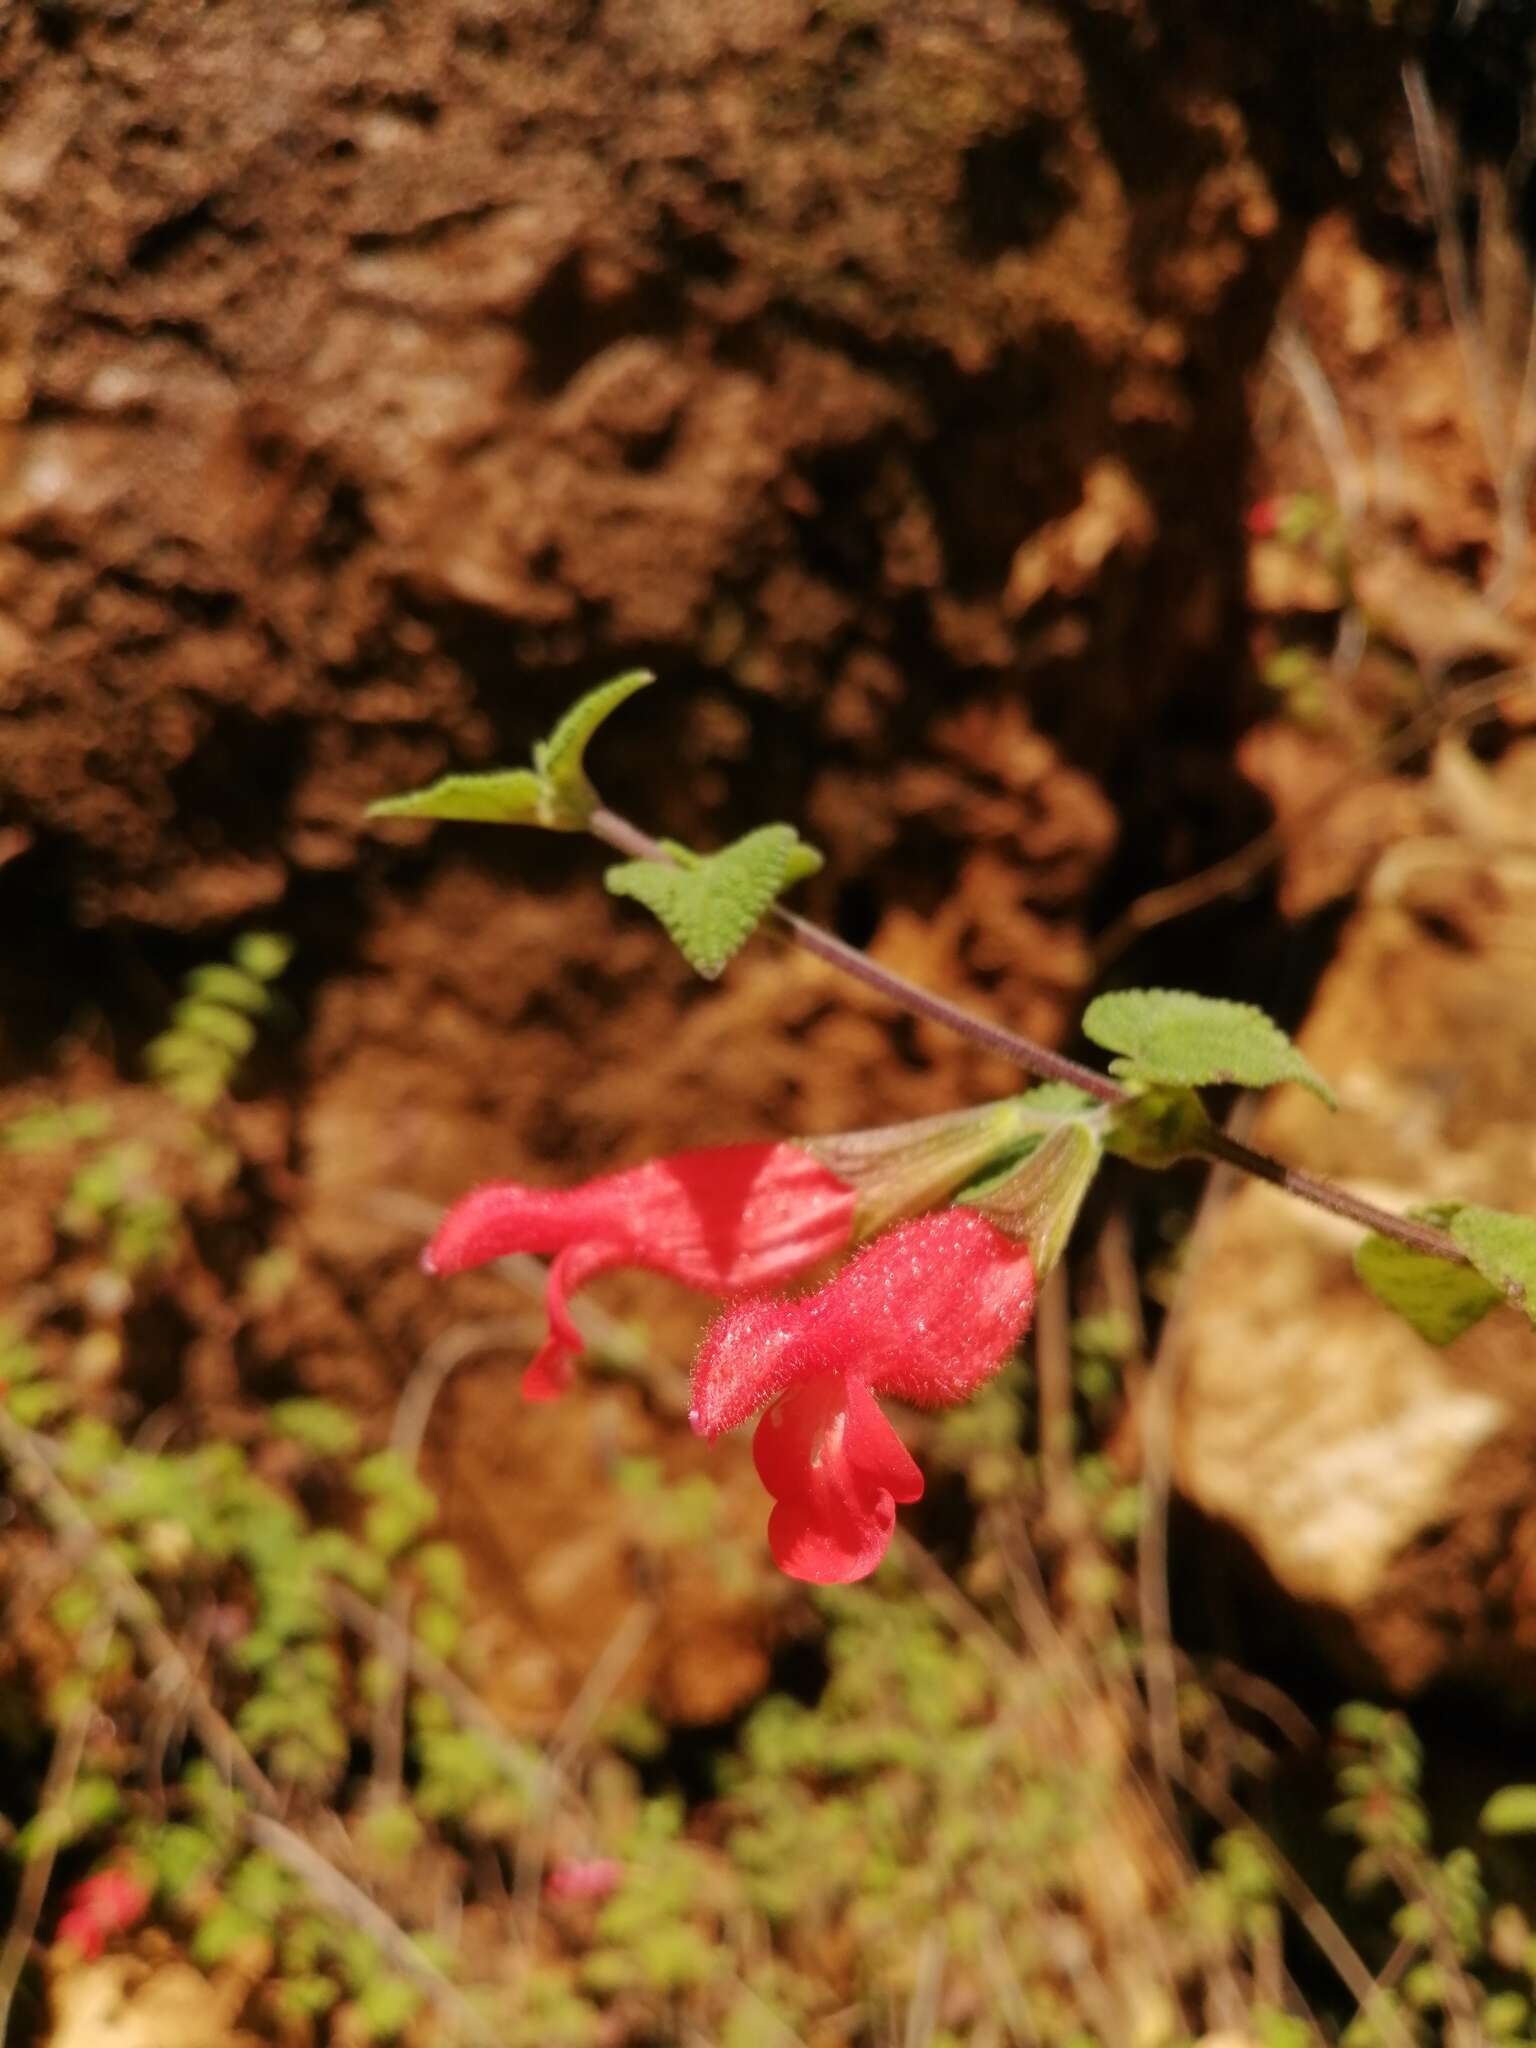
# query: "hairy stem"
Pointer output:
{"type": "Point", "coordinates": [1040, 1060]}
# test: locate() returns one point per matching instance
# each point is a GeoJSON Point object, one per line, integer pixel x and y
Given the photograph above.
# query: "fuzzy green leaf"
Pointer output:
{"type": "Point", "coordinates": [560, 760]}
{"type": "Point", "coordinates": [711, 907]}
{"type": "Point", "coordinates": [1439, 1299]}
{"type": "Point", "coordinates": [504, 796]}
{"type": "Point", "coordinates": [1190, 1041]}
{"type": "Point", "coordinates": [1511, 1811]}
{"type": "Point", "coordinates": [1502, 1248]}
{"type": "Point", "coordinates": [554, 792]}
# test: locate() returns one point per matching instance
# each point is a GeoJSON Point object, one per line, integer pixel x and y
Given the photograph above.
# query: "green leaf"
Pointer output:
{"type": "Point", "coordinates": [263, 954]}
{"type": "Point", "coordinates": [228, 1029]}
{"type": "Point", "coordinates": [224, 1931]}
{"type": "Point", "coordinates": [1511, 1811]}
{"type": "Point", "coordinates": [309, 1994]}
{"type": "Point", "coordinates": [36, 1402]}
{"type": "Point", "coordinates": [393, 1831]}
{"type": "Point", "coordinates": [1440, 1300]}
{"type": "Point", "coordinates": [442, 1571]}
{"type": "Point", "coordinates": [260, 1886]}
{"type": "Point", "coordinates": [45, 1834]}
{"type": "Point", "coordinates": [560, 760]}
{"type": "Point", "coordinates": [181, 1857]}
{"type": "Point", "coordinates": [712, 907]}
{"type": "Point", "coordinates": [51, 1128]}
{"type": "Point", "coordinates": [320, 1426]}
{"type": "Point", "coordinates": [228, 986]}
{"type": "Point", "coordinates": [76, 1607]}
{"type": "Point", "coordinates": [504, 796]}
{"type": "Point", "coordinates": [94, 1799]}
{"type": "Point", "coordinates": [439, 1627]}
{"type": "Point", "coordinates": [1502, 1248]}
{"type": "Point", "coordinates": [554, 792]}
{"type": "Point", "coordinates": [386, 2005]}
{"type": "Point", "coordinates": [1190, 1041]}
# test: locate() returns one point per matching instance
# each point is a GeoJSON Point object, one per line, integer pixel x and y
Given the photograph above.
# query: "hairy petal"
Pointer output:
{"type": "Point", "coordinates": [503, 1217]}
{"type": "Point", "coordinates": [935, 1316]}
{"type": "Point", "coordinates": [549, 1373]}
{"type": "Point", "coordinates": [928, 1312]}
{"type": "Point", "coordinates": [750, 1353]}
{"type": "Point", "coordinates": [718, 1218]}
{"type": "Point", "coordinates": [836, 1469]}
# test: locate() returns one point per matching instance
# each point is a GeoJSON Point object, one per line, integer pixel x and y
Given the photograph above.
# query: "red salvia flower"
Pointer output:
{"type": "Point", "coordinates": [722, 1219]}
{"type": "Point", "coordinates": [927, 1312]}
{"type": "Point", "coordinates": [98, 1907]}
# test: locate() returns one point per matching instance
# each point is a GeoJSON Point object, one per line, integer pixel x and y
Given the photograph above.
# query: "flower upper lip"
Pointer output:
{"type": "Point", "coordinates": [721, 1219]}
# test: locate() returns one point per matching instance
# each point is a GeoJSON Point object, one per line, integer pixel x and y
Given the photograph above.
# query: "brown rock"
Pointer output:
{"type": "Point", "coordinates": [1375, 1476]}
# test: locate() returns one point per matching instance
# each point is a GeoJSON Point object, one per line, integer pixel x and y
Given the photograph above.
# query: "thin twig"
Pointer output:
{"type": "Point", "coordinates": [1053, 1066]}
{"type": "Point", "coordinates": [1515, 491]}
{"type": "Point", "coordinates": [920, 1002]}
{"type": "Point", "coordinates": [927, 1989]}
{"type": "Point", "coordinates": [1296, 357]}
{"type": "Point", "coordinates": [576, 1724]}
{"type": "Point", "coordinates": [442, 1357]}
{"type": "Point", "coordinates": [1453, 260]}
{"type": "Point", "coordinates": [1470, 338]}
{"type": "Point", "coordinates": [1159, 1663]}
{"type": "Point", "coordinates": [413, 1412]}
{"type": "Point", "coordinates": [1053, 1378]}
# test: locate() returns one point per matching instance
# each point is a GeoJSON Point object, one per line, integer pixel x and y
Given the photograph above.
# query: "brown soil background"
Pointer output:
{"type": "Point", "coordinates": [885, 376]}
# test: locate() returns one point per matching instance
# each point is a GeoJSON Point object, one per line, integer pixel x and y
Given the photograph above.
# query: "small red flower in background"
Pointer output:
{"type": "Point", "coordinates": [1263, 517]}
{"type": "Point", "coordinates": [721, 1219]}
{"type": "Point", "coordinates": [584, 1877]}
{"type": "Point", "coordinates": [98, 1907]}
{"type": "Point", "coordinates": [927, 1312]}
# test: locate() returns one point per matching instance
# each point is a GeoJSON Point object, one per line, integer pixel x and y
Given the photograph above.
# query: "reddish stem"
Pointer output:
{"type": "Point", "coordinates": [1052, 1066]}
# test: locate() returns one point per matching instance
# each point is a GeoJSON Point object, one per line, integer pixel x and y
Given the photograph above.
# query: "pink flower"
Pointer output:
{"type": "Point", "coordinates": [722, 1220]}
{"type": "Point", "coordinates": [584, 1877]}
{"type": "Point", "coordinates": [927, 1312]}
{"type": "Point", "coordinates": [98, 1907]}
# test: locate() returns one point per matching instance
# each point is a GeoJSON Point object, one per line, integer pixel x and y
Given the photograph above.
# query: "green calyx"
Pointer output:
{"type": "Point", "coordinates": [1039, 1201]}
{"type": "Point", "coordinates": [1158, 1126]}
{"type": "Point", "coordinates": [899, 1170]}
